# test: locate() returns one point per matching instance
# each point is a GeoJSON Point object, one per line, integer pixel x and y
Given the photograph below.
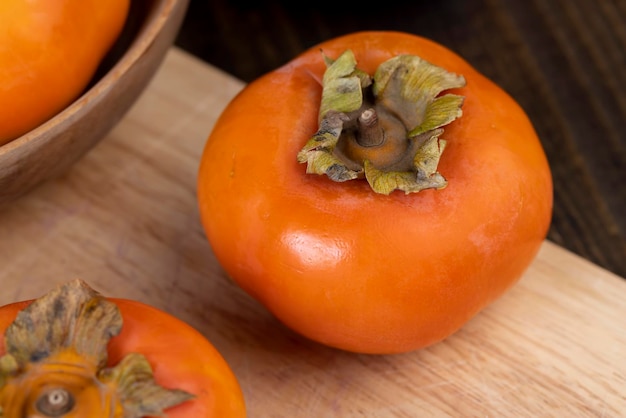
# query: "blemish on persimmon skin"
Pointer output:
{"type": "Point", "coordinates": [231, 173]}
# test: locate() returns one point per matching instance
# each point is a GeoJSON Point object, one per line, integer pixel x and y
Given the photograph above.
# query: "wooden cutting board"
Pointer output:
{"type": "Point", "coordinates": [125, 220]}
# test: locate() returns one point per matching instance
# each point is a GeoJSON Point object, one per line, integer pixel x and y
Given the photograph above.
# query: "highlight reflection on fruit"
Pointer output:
{"type": "Point", "coordinates": [55, 362]}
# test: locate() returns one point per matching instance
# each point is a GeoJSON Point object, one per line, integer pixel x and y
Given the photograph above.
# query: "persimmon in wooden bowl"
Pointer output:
{"type": "Point", "coordinates": [31, 155]}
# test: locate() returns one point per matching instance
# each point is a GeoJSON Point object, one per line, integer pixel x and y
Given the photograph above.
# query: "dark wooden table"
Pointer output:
{"type": "Point", "coordinates": [564, 61]}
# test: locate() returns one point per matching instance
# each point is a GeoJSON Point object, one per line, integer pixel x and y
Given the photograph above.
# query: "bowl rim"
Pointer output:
{"type": "Point", "coordinates": [142, 42]}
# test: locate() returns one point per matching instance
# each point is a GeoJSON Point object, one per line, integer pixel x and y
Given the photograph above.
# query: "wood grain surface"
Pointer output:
{"type": "Point", "coordinates": [564, 61]}
{"type": "Point", "coordinates": [125, 220]}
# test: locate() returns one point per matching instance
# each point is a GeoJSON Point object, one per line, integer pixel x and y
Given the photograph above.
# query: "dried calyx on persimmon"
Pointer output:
{"type": "Point", "coordinates": [385, 128]}
{"type": "Point", "coordinates": [56, 362]}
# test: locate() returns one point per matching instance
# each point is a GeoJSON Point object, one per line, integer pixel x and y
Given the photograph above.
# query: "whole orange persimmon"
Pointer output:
{"type": "Point", "coordinates": [49, 51]}
{"type": "Point", "coordinates": [75, 353]}
{"type": "Point", "coordinates": [375, 193]}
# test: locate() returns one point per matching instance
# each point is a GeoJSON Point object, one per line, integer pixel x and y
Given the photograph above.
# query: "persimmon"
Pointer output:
{"type": "Point", "coordinates": [75, 353]}
{"type": "Point", "coordinates": [375, 193]}
{"type": "Point", "coordinates": [49, 52]}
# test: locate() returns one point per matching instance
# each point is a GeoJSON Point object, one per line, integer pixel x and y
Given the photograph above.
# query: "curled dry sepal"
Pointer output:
{"type": "Point", "coordinates": [398, 113]}
{"type": "Point", "coordinates": [67, 332]}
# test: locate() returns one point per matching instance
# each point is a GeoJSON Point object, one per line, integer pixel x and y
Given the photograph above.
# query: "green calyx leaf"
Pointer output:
{"type": "Point", "coordinates": [8, 368]}
{"type": "Point", "coordinates": [140, 395]}
{"type": "Point", "coordinates": [410, 111]}
{"type": "Point", "coordinates": [319, 154]}
{"type": "Point", "coordinates": [425, 175]}
{"type": "Point", "coordinates": [343, 85]}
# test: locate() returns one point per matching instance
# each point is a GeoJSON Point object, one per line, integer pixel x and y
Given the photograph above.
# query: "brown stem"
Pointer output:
{"type": "Point", "coordinates": [370, 133]}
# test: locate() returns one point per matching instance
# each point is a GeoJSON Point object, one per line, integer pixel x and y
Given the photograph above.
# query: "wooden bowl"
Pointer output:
{"type": "Point", "coordinates": [50, 149]}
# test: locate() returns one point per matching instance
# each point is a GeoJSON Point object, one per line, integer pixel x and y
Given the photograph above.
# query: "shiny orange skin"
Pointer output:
{"type": "Point", "coordinates": [49, 51]}
{"type": "Point", "coordinates": [180, 356]}
{"type": "Point", "coordinates": [347, 267]}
